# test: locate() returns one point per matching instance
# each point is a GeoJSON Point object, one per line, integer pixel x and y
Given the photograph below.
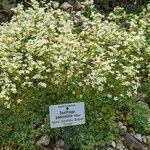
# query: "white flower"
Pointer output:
{"type": "Point", "coordinates": [81, 96]}
{"type": "Point", "coordinates": [7, 104]}
{"type": "Point", "coordinates": [48, 70]}
{"type": "Point", "coordinates": [42, 84]}
{"type": "Point", "coordinates": [19, 101]}
{"type": "Point", "coordinates": [80, 84]}
{"type": "Point", "coordinates": [115, 98]}
{"type": "Point", "coordinates": [37, 76]}
{"type": "Point", "coordinates": [129, 94]}
{"type": "Point", "coordinates": [109, 95]}
{"type": "Point", "coordinates": [14, 90]}
{"type": "Point", "coordinates": [126, 83]}
{"type": "Point", "coordinates": [56, 82]}
{"type": "Point", "coordinates": [100, 57]}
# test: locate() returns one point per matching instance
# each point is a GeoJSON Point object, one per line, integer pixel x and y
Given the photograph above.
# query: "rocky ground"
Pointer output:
{"type": "Point", "coordinates": [130, 141]}
{"type": "Point", "coordinates": [104, 7]}
{"type": "Point", "coordinates": [127, 141]}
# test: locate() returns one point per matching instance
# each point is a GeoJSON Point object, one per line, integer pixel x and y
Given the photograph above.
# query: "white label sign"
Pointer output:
{"type": "Point", "coordinates": [67, 115]}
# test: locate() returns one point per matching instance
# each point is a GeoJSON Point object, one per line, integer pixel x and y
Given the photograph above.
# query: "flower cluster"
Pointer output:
{"type": "Point", "coordinates": [41, 46]}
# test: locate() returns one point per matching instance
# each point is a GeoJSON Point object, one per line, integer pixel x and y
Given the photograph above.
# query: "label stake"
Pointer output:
{"type": "Point", "coordinates": [66, 138]}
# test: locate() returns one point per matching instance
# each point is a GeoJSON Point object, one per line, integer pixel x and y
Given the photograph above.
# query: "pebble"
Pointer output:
{"type": "Point", "coordinates": [59, 144]}
{"type": "Point", "coordinates": [130, 141]}
{"type": "Point", "coordinates": [120, 146]}
{"type": "Point", "coordinates": [144, 139]}
{"type": "Point", "coordinates": [120, 124]}
{"type": "Point", "coordinates": [77, 6]}
{"type": "Point", "coordinates": [44, 141]}
{"type": "Point", "coordinates": [55, 4]}
{"type": "Point", "coordinates": [113, 144]}
{"type": "Point", "coordinates": [148, 139]}
{"type": "Point", "coordinates": [124, 128]}
{"type": "Point", "coordinates": [66, 6]}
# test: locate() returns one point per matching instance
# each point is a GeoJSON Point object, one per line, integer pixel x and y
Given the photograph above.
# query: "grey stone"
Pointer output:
{"type": "Point", "coordinates": [77, 6]}
{"type": "Point", "coordinates": [132, 143]}
{"type": "Point", "coordinates": [123, 131]}
{"type": "Point", "coordinates": [59, 145]}
{"type": "Point", "coordinates": [5, 11]}
{"type": "Point", "coordinates": [66, 6]}
{"type": "Point", "coordinates": [120, 124]}
{"type": "Point", "coordinates": [78, 22]}
{"type": "Point", "coordinates": [71, 2]}
{"type": "Point", "coordinates": [124, 128]}
{"type": "Point", "coordinates": [55, 4]}
{"type": "Point", "coordinates": [120, 146]}
{"type": "Point", "coordinates": [144, 139]}
{"type": "Point", "coordinates": [44, 141]}
{"type": "Point", "coordinates": [148, 139]}
{"type": "Point", "coordinates": [113, 144]}
{"type": "Point", "coordinates": [138, 136]}
{"type": "Point", "coordinates": [8, 4]}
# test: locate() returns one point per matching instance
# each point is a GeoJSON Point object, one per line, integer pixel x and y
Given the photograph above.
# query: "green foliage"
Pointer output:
{"type": "Point", "coordinates": [23, 124]}
{"type": "Point", "coordinates": [138, 119]}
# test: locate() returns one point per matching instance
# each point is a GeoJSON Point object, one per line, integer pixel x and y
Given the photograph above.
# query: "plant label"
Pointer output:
{"type": "Point", "coordinates": [67, 115]}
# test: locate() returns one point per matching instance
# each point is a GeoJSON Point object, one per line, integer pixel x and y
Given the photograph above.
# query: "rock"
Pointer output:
{"type": "Point", "coordinates": [124, 128]}
{"type": "Point", "coordinates": [44, 141]}
{"type": "Point", "coordinates": [120, 146]}
{"type": "Point", "coordinates": [144, 139]}
{"type": "Point", "coordinates": [132, 143]}
{"type": "Point", "coordinates": [138, 136]}
{"type": "Point", "coordinates": [148, 139]}
{"type": "Point", "coordinates": [113, 144]}
{"type": "Point", "coordinates": [55, 4]}
{"type": "Point", "coordinates": [8, 4]}
{"type": "Point", "coordinates": [77, 6]}
{"type": "Point", "coordinates": [5, 10]}
{"type": "Point", "coordinates": [78, 22]}
{"type": "Point", "coordinates": [59, 145]}
{"type": "Point", "coordinates": [120, 124]}
{"type": "Point", "coordinates": [66, 6]}
{"type": "Point", "coordinates": [71, 2]}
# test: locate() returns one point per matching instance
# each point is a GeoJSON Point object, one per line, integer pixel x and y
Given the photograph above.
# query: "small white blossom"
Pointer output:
{"type": "Point", "coordinates": [42, 84]}
{"type": "Point", "coordinates": [129, 94]}
{"type": "Point", "coordinates": [19, 101]}
{"type": "Point", "coordinates": [115, 98]}
{"type": "Point", "coordinates": [109, 95]}
{"type": "Point", "coordinates": [102, 58]}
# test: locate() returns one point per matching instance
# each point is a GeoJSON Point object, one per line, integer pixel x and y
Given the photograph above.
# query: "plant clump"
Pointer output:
{"type": "Point", "coordinates": [45, 59]}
